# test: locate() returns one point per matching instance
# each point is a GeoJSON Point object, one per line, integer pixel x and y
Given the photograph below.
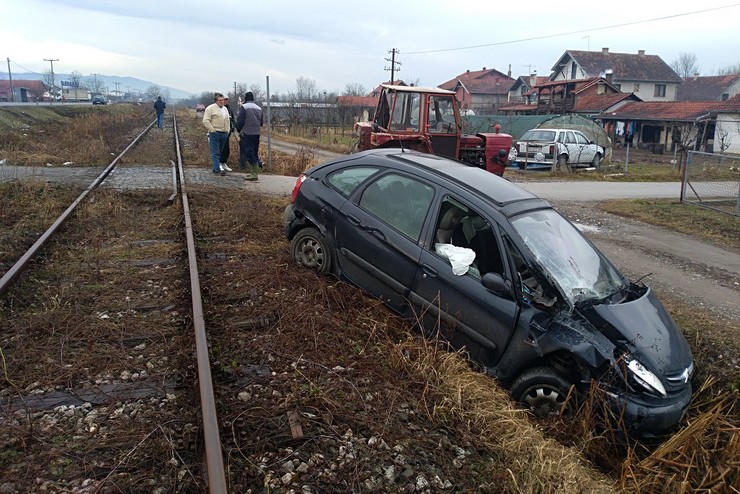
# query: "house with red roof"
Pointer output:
{"type": "Point", "coordinates": [23, 90]}
{"type": "Point", "coordinates": [660, 125]}
{"type": "Point", "coordinates": [709, 88]}
{"type": "Point", "coordinates": [481, 91]}
{"type": "Point", "coordinates": [727, 126]}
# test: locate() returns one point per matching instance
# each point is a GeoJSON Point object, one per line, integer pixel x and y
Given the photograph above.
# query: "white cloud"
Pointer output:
{"type": "Point", "coordinates": [198, 47]}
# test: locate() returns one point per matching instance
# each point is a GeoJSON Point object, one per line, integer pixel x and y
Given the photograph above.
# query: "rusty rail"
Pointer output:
{"type": "Point", "coordinates": [211, 435]}
{"type": "Point", "coordinates": [7, 280]}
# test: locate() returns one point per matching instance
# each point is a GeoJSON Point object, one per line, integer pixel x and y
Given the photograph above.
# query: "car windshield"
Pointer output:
{"type": "Point", "coordinates": [539, 135]}
{"type": "Point", "coordinates": [571, 262]}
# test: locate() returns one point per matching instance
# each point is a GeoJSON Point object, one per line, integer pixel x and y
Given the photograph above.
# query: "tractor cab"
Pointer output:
{"type": "Point", "coordinates": [421, 118]}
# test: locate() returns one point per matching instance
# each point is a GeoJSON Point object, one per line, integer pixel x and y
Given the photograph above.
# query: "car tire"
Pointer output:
{"type": "Point", "coordinates": [596, 163]}
{"type": "Point", "coordinates": [563, 163]}
{"type": "Point", "coordinates": [309, 248]}
{"type": "Point", "coordinates": [544, 392]}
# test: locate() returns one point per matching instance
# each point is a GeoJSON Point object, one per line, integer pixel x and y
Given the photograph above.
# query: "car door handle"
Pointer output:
{"type": "Point", "coordinates": [353, 219]}
{"type": "Point", "coordinates": [428, 271]}
{"type": "Point", "coordinates": [374, 231]}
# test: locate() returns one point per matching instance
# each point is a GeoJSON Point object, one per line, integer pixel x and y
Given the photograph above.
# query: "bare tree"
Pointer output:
{"type": "Point", "coordinates": [685, 65]}
{"type": "Point", "coordinates": [49, 80]}
{"type": "Point", "coordinates": [75, 78]}
{"type": "Point", "coordinates": [94, 84]}
{"type": "Point", "coordinates": [730, 70]}
{"type": "Point", "coordinates": [153, 91]}
{"type": "Point", "coordinates": [259, 94]}
{"type": "Point", "coordinates": [354, 89]}
{"type": "Point", "coordinates": [306, 89]}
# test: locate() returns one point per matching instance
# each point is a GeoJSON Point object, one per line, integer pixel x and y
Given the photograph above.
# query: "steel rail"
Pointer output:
{"type": "Point", "coordinates": [214, 456]}
{"type": "Point", "coordinates": [7, 280]}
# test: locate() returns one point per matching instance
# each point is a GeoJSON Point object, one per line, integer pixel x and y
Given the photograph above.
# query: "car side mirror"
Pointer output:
{"type": "Point", "coordinates": [496, 284]}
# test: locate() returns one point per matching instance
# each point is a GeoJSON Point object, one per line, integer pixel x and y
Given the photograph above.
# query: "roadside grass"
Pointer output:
{"type": "Point", "coordinates": [57, 134]}
{"type": "Point", "coordinates": [703, 223]}
{"type": "Point", "coordinates": [330, 138]}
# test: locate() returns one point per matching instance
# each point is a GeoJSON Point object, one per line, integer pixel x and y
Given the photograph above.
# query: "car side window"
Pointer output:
{"type": "Point", "coordinates": [570, 138]}
{"type": "Point", "coordinates": [345, 181]}
{"type": "Point", "coordinates": [461, 226]}
{"type": "Point", "coordinates": [581, 139]}
{"type": "Point", "coordinates": [400, 201]}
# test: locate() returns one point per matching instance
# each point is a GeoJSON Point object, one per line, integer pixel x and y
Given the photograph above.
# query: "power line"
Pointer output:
{"type": "Point", "coordinates": [580, 31]}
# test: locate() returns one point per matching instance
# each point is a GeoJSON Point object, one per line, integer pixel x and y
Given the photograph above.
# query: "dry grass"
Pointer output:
{"type": "Point", "coordinates": [58, 134]}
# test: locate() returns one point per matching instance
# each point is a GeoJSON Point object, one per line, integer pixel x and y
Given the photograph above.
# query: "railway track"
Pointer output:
{"type": "Point", "coordinates": [106, 379]}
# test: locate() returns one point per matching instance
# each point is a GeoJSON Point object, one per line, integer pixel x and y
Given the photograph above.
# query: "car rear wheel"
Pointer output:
{"type": "Point", "coordinates": [596, 163]}
{"type": "Point", "coordinates": [563, 163]}
{"type": "Point", "coordinates": [309, 248]}
{"type": "Point", "coordinates": [544, 392]}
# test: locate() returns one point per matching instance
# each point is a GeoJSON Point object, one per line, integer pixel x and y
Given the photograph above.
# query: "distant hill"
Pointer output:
{"type": "Point", "coordinates": [133, 85]}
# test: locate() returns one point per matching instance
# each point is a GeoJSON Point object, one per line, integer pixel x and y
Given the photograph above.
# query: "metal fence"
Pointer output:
{"type": "Point", "coordinates": [712, 181]}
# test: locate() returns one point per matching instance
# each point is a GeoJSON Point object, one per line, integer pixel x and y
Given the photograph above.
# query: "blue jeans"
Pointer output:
{"type": "Point", "coordinates": [216, 141]}
{"type": "Point", "coordinates": [248, 150]}
{"type": "Point", "coordinates": [160, 117]}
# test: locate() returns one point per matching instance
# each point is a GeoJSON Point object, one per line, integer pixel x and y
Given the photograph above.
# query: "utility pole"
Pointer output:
{"type": "Point", "coordinates": [10, 77]}
{"type": "Point", "coordinates": [393, 62]}
{"type": "Point", "coordinates": [235, 95]}
{"type": "Point", "coordinates": [51, 61]}
{"type": "Point", "coordinates": [118, 91]}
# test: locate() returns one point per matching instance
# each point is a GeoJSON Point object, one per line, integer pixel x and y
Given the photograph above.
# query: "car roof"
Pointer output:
{"type": "Point", "coordinates": [499, 192]}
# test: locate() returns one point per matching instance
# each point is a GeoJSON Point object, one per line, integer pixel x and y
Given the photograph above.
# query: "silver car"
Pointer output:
{"type": "Point", "coordinates": [563, 148]}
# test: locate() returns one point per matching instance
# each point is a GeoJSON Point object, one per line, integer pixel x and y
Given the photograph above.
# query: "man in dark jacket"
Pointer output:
{"type": "Point", "coordinates": [159, 107]}
{"type": "Point", "coordinates": [248, 124]}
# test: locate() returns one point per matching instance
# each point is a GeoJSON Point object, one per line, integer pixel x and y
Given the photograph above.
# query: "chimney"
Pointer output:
{"type": "Point", "coordinates": [467, 71]}
{"type": "Point", "coordinates": [609, 75]}
{"type": "Point", "coordinates": [641, 52]}
{"type": "Point", "coordinates": [509, 72]}
{"type": "Point", "coordinates": [533, 79]}
{"type": "Point", "coordinates": [605, 50]}
{"type": "Point", "coordinates": [696, 75]}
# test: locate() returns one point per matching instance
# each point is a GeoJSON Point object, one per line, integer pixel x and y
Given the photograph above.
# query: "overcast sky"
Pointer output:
{"type": "Point", "coordinates": [206, 46]}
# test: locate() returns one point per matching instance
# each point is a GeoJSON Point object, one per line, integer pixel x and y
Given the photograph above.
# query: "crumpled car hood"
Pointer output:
{"type": "Point", "coordinates": [648, 331]}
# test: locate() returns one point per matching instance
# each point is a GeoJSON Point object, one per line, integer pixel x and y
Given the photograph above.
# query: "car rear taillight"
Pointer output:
{"type": "Point", "coordinates": [552, 149]}
{"type": "Point", "coordinates": [299, 181]}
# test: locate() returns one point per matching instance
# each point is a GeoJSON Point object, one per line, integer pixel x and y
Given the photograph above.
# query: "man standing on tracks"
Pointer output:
{"type": "Point", "coordinates": [159, 107]}
{"type": "Point", "coordinates": [226, 151]}
{"type": "Point", "coordinates": [248, 125]}
{"type": "Point", "coordinates": [216, 120]}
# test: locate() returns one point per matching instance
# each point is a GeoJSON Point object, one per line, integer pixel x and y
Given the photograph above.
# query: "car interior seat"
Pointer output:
{"type": "Point", "coordinates": [448, 223]}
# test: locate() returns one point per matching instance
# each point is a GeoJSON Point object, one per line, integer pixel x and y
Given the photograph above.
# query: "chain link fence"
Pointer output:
{"type": "Point", "coordinates": [712, 181]}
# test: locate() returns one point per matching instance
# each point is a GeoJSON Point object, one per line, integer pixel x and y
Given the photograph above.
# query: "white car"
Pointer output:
{"type": "Point", "coordinates": [563, 148]}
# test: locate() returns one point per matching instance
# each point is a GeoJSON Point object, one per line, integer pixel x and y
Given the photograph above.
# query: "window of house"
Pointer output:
{"type": "Point", "coordinates": [618, 86]}
{"type": "Point", "coordinates": [573, 70]}
{"type": "Point", "coordinates": [659, 91]}
{"type": "Point", "coordinates": [725, 97]}
{"type": "Point", "coordinates": [635, 88]}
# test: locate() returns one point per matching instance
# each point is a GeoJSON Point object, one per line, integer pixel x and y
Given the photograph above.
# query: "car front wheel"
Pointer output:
{"type": "Point", "coordinates": [309, 248]}
{"type": "Point", "coordinates": [544, 392]}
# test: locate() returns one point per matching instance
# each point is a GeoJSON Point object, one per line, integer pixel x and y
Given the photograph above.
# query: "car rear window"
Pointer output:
{"type": "Point", "coordinates": [539, 135]}
{"type": "Point", "coordinates": [346, 180]}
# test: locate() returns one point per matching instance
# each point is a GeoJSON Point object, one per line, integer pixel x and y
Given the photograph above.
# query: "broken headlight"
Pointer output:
{"type": "Point", "coordinates": [640, 376]}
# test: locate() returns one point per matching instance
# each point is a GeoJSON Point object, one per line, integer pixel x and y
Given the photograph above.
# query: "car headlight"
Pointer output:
{"type": "Point", "coordinates": [642, 376]}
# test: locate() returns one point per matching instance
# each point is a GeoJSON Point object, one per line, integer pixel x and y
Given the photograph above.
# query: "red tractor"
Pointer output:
{"type": "Point", "coordinates": [427, 120]}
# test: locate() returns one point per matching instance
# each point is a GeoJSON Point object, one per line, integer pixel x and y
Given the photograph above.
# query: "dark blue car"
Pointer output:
{"type": "Point", "coordinates": [496, 270]}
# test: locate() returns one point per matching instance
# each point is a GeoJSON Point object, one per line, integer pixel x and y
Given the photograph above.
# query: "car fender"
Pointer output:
{"type": "Point", "coordinates": [578, 338]}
